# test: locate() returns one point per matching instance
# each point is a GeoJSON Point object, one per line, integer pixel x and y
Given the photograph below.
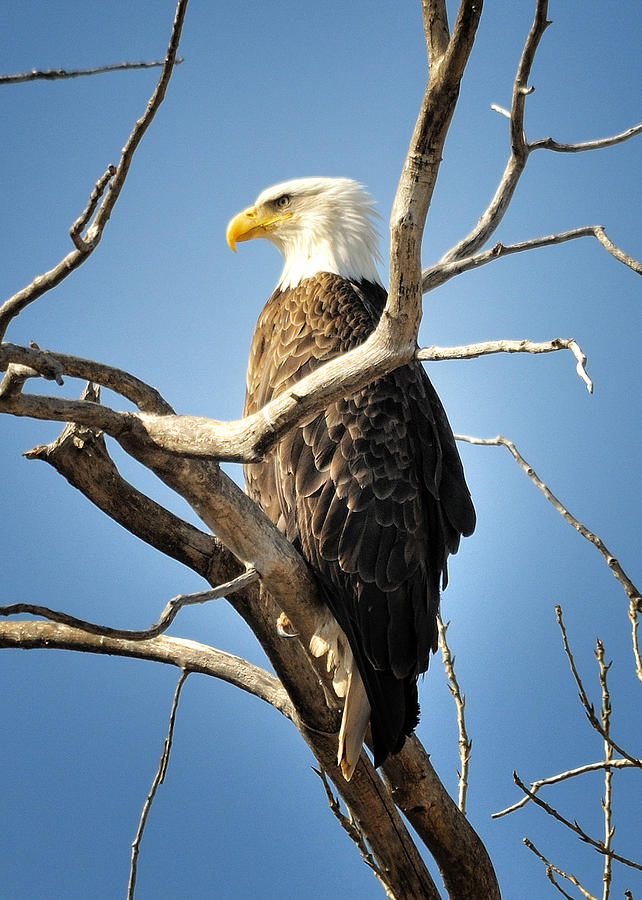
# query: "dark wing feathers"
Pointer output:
{"type": "Point", "coordinates": [372, 490]}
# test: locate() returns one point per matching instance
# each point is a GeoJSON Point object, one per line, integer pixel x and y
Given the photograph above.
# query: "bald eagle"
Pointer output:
{"type": "Point", "coordinates": [371, 490]}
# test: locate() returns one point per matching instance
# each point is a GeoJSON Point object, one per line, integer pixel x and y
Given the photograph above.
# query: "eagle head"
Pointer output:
{"type": "Point", "coordinates": [318, 224]}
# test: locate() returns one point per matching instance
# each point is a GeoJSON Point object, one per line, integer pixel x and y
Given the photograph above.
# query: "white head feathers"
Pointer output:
{"type": "Point", "coordinates": [327, 225]}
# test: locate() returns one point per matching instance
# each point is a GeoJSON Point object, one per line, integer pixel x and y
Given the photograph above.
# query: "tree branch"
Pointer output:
{"type": "Point", "coordinates": [441, 272]}
{"type": "Point", "coordinates": [550, 868]}
{"type": "Point", "coordinates": [466, 249]}
{"type": "Point", "coordinates": [421, 167]}
{"type": "Point", "coordinates": [158, 780]}
{"type": "Point", "coordinates": [562, 776]}
{"type": "Point", "coordinates": [500, 441]}
{"type": "Point", "coordinates": [574, 827]}
{"type": "Point", "coordinates": [169, 613]}
{"type": "Point", "coordinates": [605, 721]}
{"type": "Point", "coordinates": [184, 654]}
{"type": "Point", "coordinates": [465, 744]}
{"type": "Point", "coordinates": [603, 731]}
{"type": "Point", "coordinates": [485, 348]}
{"type": "Point", "coordinates": [54, 74]}
{"type": "Point", "coordinates": [548, 143]}
{"type": "Point", "coordinates": [462, 858]}
{"type": "Point", "coordinates": [42, 283]}
{"type": "Point", "coordinates": [53, 366]}
{"type": "Point", "coordinates": [494, 213]}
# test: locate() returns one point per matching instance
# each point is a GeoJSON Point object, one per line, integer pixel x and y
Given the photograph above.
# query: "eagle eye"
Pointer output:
{"type": "Point", "coordinates": [282, 202]}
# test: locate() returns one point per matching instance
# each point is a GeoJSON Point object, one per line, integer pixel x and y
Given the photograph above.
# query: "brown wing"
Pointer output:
{"type": "Point", "coordinates": [371, 490]}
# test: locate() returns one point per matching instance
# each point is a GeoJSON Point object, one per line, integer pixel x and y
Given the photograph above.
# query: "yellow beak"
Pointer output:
{"type": "Point", "coordinates": [248, 224]}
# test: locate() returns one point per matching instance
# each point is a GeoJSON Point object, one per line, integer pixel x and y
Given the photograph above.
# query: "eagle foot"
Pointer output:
{"type": "Point", "coordinates": [284, 627]}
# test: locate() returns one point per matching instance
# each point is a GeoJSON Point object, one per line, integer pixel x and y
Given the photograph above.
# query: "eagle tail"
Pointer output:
{"type": "Point", "coordinates": [329, 640]}
{"type": "Point", "coordinates": [356, 716]}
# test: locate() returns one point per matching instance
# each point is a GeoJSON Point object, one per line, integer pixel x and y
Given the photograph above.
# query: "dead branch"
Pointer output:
{"type": "Point", "coordinates": [574, 827]}
{"type": "Point", "coordinates": [317, 721]}
{"type": "Point", "coordinates": [446, 61]}
{"type": "Point", "coordinates": [169, 613]}
{"type": "Point", "coordinates": [466, 249]}
{"type": "Point", "coordinates": [462, 859]}
{"type": "Point", "coordinates": [55, 74]}
{"type": "Point", "coordinates": [485, 348]}
{"type": "Point", "coordinates": [158, 780]}
{"type": "Point", "coordinates": [441, 272]}
{"type": "Point", "coordinates": [550, 868]}
{"type": "Point", "coordinates": [184, 654]}
{"type": "Point", "coordinates": [354, 833]}
{"type": "Point", "coordinates": [500, 441]}
{"type": "Point", "coordinates": [548, 143]}
{"type": "Point", "coordinates": [562, 776]}
{"type": "Point", "coordinates": [586, 703]}
{"type": "Point", "coordinates": [464, 743]}
{"type": "Point", "coordinates": [42, 283]}
{"type": "Point", "coordinates": [633, 617]}
{"type": "Point", "coordinates": [240, 440]}
{"type": "Point", "coordinates": [605, 721]}
{"type": "Point", "coordinates": [492, 216]}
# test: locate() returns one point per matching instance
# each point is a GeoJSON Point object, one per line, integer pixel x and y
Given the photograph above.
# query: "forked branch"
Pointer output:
{"type": "Point", "coordinates": [85, 246]}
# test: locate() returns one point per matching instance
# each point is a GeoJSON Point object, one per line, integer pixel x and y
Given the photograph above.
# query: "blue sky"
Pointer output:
{"type": "Point", "coordinates": [268, 92]}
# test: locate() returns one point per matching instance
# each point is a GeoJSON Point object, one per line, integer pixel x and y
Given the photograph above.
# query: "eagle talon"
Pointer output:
{"type": "Point", "coordinates": [284, 627]}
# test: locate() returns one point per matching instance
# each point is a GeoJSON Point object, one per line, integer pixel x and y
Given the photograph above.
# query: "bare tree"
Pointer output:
{"type": "Point", "coordinates": [242, 555]}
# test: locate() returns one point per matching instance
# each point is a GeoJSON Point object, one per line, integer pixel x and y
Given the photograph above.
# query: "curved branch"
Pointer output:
{"type": "Point", "coordinates": [461, 856]}
{"type": "Point", "coordinates": [169, 613]}
{"type": "Point", "coordinates": [574, 827]}
{"type": "Point", "coordinates": [494, 213]}
{"type": "Point", "coordinates": [630, 589]}
{"type": "Point", "coordinates": [42, 283]}
{"type": "Point", "coordinates": [563, 776]}
{"type": "Point", "coordinates": [441, 272]}
{"type": "Point", "coordinates": [402, 314]}
{"type": "Point", "coordinates": [188, 655]}
{"type": "Point", "coordinates": [520, 151]}
{"type": "Point", "coordinates": [53, 366]}
{"type": "Point", "coordinates": [548, 143]}
{"type": "Point", "coordinates": [485, 348]}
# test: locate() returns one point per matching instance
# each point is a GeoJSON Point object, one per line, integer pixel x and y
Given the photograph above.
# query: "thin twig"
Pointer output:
{"type": "Point", "coordinates": [166, 618]}
{"type": "Point", "coordinates": [447, 268]}
{"type": "Point", "coordinates": [49, 279]}
{"type": "Point", "coordinates": [500, 441]}
{"type": "Point", "coordinates": [490, 219]}
{"type": "Point", "coordinates": [158, 780]}
{"type": "Point", "coordinates": [633, 616]}
{"type": "Point", "coordinates": [562, 776]}
{"type": "Point", "coordinates": [465, 744]}
{"type": "Point", "coordinates": [99, 189]}
{"type": "Point", "coordinates": [586, 703]}
{"type": "Point", "coordinates": [550, 868]}
{"type": "Point", "coordinates": [354, 833]}
{"type": "Point", "coordinates": [605, 719]}
{"type": "Point", "coordinates": [54, 74]}
{"type": "Point", "coordinates": [573, 826]}
{"type": "Point", "coordinates": [486, 348]}
{"type": "Point", "coordinates": [548, 143]}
